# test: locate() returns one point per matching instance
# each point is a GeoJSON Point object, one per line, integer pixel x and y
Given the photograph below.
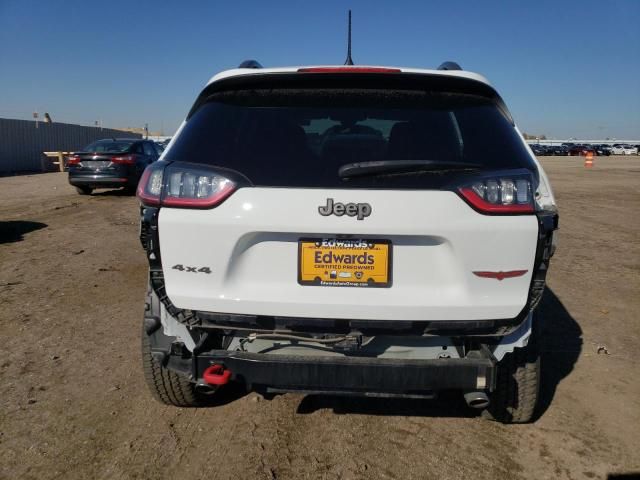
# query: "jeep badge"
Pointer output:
{"type": "Point", "coordinates": [360, 210]}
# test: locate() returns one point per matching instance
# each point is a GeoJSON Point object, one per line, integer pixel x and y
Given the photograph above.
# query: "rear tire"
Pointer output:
{"type": "Point", "coordinates": [517, 385]}
{"type": "Point", "coordinates": [84, 190]}
{"type": "Point", "coordinates": [166, 386]}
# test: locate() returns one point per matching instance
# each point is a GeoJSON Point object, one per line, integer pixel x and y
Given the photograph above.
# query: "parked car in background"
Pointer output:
{"type": "Point", "coordinates": [164, 143]}
{"type": "Point", "coordinates": [624, 150]}
{"type": "Point", "coordinates": [539, 150]}
{"type": "Point", "coordinates": [581, 150]}
{"type": "Point", "coordinates": [111, 163]}
{"type": "Point", "coordinates": [602, 150]}
{"type": "Point", "coordinates": [559, 150]}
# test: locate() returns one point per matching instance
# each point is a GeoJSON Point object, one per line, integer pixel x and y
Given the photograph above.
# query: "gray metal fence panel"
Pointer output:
{"type": "Point", "coordinates": [22, 144]}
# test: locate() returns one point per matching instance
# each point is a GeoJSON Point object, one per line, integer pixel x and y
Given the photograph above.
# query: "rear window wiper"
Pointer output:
{"type": "Point", "coordinates": [361, 169]}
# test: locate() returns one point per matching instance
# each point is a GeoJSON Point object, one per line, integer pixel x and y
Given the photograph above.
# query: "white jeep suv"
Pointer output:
{"type": "Point", "coordinates": [347, 230]}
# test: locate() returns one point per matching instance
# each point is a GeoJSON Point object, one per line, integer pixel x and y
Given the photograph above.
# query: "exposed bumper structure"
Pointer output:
{"type": "Point", "coordinates": [351, 374]}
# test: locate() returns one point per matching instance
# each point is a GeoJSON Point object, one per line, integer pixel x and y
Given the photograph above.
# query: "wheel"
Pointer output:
{"type": "Point", "coordinates": [166, 386]}
{"type": "Point", "coordinates": [518, 384]}
{"type": "Point", "coordinates": [84, 190]}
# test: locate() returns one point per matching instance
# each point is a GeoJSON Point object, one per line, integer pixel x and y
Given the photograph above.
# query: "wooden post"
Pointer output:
{"type": "Point", "coordinates": [59, 160]}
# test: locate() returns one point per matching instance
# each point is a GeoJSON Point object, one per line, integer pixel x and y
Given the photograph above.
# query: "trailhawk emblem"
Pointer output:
{"type": "Point", "coordinates": [360, 210]}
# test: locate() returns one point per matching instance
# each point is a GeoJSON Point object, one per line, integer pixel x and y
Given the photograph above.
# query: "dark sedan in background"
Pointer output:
{"type": "Point", "coordinates": [602, 150]}
{"type": "Point", "coordinates": [582, 150]}
{"type": "Point", "coordinates": [540, 150]}
{"type": "Point", "coordinates": [111, 163]}
{"type": "Point", "coordinates": [559, 150]}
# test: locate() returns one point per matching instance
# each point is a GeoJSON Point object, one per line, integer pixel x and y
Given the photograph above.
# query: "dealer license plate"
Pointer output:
{"type": "Point", "coordinates": [332, 262]}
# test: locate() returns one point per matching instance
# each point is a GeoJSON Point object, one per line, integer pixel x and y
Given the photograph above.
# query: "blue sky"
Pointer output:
{"type": "Point", "coordinates": [565, 67]}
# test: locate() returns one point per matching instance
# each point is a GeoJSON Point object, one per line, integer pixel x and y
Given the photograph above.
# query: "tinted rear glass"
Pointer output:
{"type": "Point", "coordinates": [108, 147]}
{"type": "Point", "coordinates": [300, 138]}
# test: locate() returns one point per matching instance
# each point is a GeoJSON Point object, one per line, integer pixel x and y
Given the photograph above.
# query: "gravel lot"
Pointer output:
{"type": "Point", "coordinates": [73, 403]}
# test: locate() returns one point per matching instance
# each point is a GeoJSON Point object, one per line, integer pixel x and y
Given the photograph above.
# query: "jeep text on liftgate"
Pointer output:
{"type": "Point", "coordinates": [347, 230]}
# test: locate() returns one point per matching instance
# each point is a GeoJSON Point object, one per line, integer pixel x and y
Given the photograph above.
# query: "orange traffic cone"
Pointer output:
{"type": "Point", "coordinates": [588, 160]}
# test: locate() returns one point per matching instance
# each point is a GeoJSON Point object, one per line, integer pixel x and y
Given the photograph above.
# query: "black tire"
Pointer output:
{"type": "Point", "coordinates": [518, 384]}
{"type": "Point", "coordinates": [84, 190]}
{"type": "Point", "coordinates": [165, 385]}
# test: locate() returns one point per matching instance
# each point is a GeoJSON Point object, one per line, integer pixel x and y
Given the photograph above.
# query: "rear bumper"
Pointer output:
{"type": "Point", "coordinates": [99, 181]}
{"type": "Point", "coordinates": [112, 178]}
{"type": "Point", "coordinates": [350, 374]}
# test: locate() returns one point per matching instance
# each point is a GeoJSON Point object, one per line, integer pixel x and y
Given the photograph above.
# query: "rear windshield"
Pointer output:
{"type": "Point", "coordinates": [108, 147]}
{"type": "Point", "coordinates": [300, 138]}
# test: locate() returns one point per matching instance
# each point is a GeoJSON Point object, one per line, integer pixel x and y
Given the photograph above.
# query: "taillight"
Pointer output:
{"type": "Point", "coordinates": [124, 159]}
{"type": "Point", "coordinates": [150, 185]}
{"type": "Point", "coordinates": [73, 160]}
{"type": "Point", "coordinates": [184, 186]}
{"type": "Point", "coordinates": [500, 194]}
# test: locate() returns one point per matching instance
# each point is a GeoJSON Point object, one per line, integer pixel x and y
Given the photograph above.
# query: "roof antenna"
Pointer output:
{"type": "Point", "coordinates": [349, 60]}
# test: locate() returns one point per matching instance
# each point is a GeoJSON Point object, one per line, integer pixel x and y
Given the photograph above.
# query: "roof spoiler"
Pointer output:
{"type": "Point", "coordinates": [402, 81]}
{"type": "Point", "coordinates": [449, 66]}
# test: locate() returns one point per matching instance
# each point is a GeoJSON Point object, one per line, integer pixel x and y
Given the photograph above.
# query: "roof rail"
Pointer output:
{"type": "Point", "coordinates": [449, 66]}
{"type": "Point", "coordinates": [250, 64]}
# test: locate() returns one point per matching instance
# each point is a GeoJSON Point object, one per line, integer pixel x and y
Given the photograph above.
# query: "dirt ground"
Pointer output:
{"type": "Point", "coordinates": [73, 403]}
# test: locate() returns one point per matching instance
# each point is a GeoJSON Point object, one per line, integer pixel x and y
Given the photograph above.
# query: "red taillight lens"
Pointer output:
{"type": "Point", "coordinates": [500, 195]}
{"type": "Point", "coordinates": [183, 186]}
{"type": "Point", "coordinates": [349, 70]}
{"type": "Point", "coordinates": [73, 160]}
{"type": "Point", "coordinates": [150, 185]}
{"type": "Point", "coordinates": [124, 159]}
{"type": "Point", "coordinates": [192, 188]}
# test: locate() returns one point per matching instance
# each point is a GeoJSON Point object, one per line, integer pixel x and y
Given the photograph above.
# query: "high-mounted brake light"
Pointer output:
{"type": "Point", "coordinates": [183, 186]}
{"type": "Point", "coordinates": [349, 70]}
{"type": "Point", "coordinates": [500, 195]}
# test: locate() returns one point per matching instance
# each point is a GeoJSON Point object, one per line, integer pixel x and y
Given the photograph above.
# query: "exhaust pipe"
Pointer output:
{"type": "Point", "coordinates": [477, 400]}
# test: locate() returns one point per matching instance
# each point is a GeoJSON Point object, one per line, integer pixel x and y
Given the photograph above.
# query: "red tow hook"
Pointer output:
{"type": "Point", "coordinates": [216, 375]}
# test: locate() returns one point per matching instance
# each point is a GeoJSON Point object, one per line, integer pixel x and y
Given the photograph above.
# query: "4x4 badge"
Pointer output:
{"type": "Point", "coordinates": [359, 210]}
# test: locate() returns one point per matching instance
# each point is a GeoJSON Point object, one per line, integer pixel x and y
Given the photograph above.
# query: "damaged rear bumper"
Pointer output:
{"type": "Point", "coordinates": [348, 374]}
